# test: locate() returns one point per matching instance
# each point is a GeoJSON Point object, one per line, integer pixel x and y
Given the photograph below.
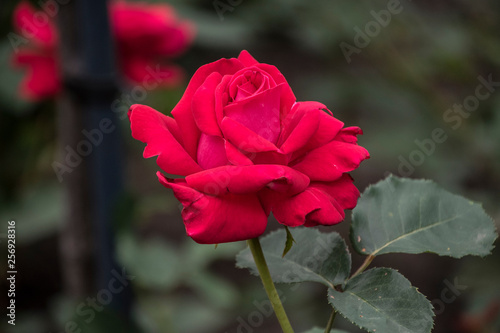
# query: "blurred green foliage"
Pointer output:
{"type": "Point", "coordinates": [397, 89]}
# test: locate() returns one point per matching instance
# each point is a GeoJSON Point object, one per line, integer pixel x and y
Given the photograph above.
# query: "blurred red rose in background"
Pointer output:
{"type": "Point", "coordinates": [246, 148]}
{"type": "Point", "coordinates": [40, 57]}
{"type": "Point", "coordinates": [145, 35]}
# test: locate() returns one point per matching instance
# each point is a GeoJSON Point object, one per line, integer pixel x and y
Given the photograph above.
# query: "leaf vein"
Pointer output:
{"type": "Point", "coordinates": [435, 224]}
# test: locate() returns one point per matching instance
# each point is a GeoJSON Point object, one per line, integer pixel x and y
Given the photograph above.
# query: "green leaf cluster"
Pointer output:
{"type": "Point", "coordinates": [395, 215]}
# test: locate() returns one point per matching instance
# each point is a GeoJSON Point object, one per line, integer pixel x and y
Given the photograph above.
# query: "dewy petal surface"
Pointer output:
{"type": "Point", "coordinates": [221, 219]}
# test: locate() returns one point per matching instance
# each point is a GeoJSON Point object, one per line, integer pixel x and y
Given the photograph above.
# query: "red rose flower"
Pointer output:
{"type": "Point", "coordinates": [145, 34]}
{"type": "Point", "coordinates": [246, 148]}
{"type": "Point", "coordinates": [43, 79]}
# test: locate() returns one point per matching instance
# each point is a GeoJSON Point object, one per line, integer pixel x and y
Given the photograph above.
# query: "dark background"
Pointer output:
{"type": "Point", "coordinates": [398, 89]}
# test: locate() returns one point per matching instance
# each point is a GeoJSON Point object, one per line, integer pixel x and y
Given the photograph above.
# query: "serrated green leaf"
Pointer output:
{"type": "Point", "coordinates": [383, 300]}
{"type": "Point", "coordinates": [415, 216]}
{"type": "Point", "coordinates": [322, 330]}
{"type": "Point", "coordinates": [318, 257]}
{"type": "Point", "coordinates": [289, 241]}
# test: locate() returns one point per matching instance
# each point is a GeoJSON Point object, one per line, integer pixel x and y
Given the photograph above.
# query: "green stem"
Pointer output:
{"type": "Point", "coordinates": [267, 281]}
{"type": "Point", "coordinates": [365, 264]}
{"type": "Point", "coordinates": [329, 326]}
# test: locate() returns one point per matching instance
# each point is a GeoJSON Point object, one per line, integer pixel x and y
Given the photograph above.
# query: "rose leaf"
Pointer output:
{"type": "Point", "coordinates": [415, 216]}
{"type": "Point", "coordinates": [383, 300]}
{"type": "Point", "coordinates": [318, 257]}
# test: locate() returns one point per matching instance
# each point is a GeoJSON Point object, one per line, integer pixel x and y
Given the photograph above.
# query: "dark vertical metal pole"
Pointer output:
{"type": "Point", "coordinates": [91, 77]}
{"type": "Point", "coordinates": [105, 160]}
{"type": "Point", "coordinates": [97, 91]}
{"type": "Point", "coordinates": [76, 241]}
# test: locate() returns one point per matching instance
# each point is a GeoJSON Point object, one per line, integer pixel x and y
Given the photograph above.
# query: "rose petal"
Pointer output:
{"type": "Point", "coordinates": [248, 82]}
{"type": "Point", "coordinates": [213, 220]}
{"type": "Point", "coordinates": [297, 210]}
{"type": "Point", "coordinates": [248, 179]}
{"type": "Point", "coordinates": [328, 215]}
{"type": "Point", "coordinates": [342, 191]}
{"type": "Point", "coordinates": [235, 156]}
{"type": "Point", "coordinates": [246, 59]}
{"type": "Point", "coordinates": [299, 126]}
{"type": "Point", "coordinates": [322, 203]}
{"type": "Point", "coordinates": [292, 120]}
{"type": "Point", "coordinates": [343, 195]}
{"type": "Point", "coordinates": [221, 97]}
{"type": "Point", "coordinates": [244, 138]}
{"type": "Point", "coordinates": [155, 129]}
{"type": "Point", "coordinates": [330, 161]}
{"type": "Point", "coordinates": [183, 113]}
{"type": "Point", "coordinates": [349, 134]}
{"type": "Point", "coordinates": [260, 113]}
{"type": "Point", "coordinates": [204, 105]}
{"type": "Point", "coordinates": [328, 128]}
{"type": "Point", "coordinates": [287, 96]}
{"type": "Point", "coordinates": [211, 151]}
{"type": "Point", "coordinates": [268, 157]}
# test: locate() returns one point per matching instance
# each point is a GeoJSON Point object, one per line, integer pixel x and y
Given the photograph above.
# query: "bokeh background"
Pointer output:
{"type": "Point", "coordinates": [397, 88]}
